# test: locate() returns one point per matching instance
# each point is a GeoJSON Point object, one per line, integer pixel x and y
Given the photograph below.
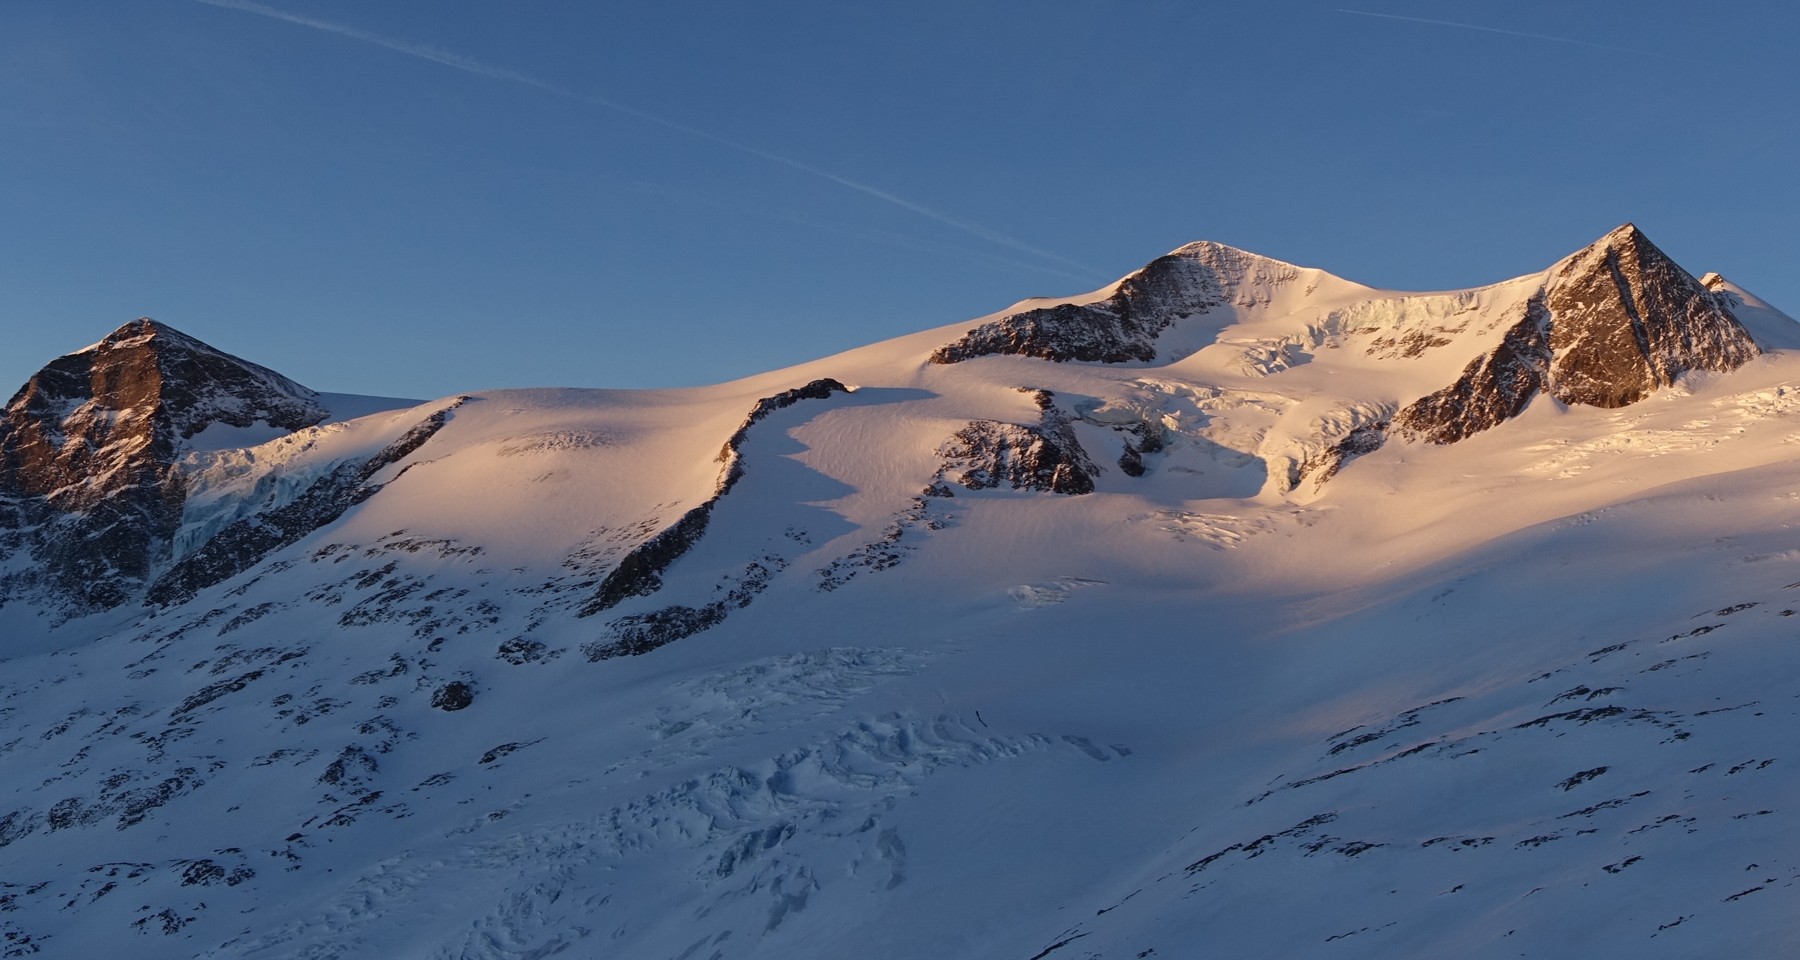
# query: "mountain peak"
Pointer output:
{"type": "Point", "coordinates": [1626, 232]}
{"type": "Point", "coordinates": [1614, 322]}
{"type": "Point", "coordinates": [145, 331]}
{"type": "Point", "coordinates": [92, 440]}
{"type": "Point", "coordinates": [1625, 240]}
{"type": "Point", "coordinates": [1630, 320]}
{"type": "Point", "coordinates": [1124, 325]}
{"type": "Point", "coordinates": [142, 326]}
{"type": "Point", "coordinates": [1214, 252]}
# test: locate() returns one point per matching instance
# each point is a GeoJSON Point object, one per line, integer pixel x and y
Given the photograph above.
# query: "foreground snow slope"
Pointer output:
{"type": "Point", "coordinates": [709, 673]}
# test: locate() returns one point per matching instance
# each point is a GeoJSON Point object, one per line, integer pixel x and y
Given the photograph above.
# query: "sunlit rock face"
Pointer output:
{"type": "Point", "coordinates": [88, 452]}
{"type": "Point", "coordinates": [1613, 323]}
{"type": "Point", "coordinates": [1125, 325]}
{"type": "Point", "coordinates": [1626, 320]}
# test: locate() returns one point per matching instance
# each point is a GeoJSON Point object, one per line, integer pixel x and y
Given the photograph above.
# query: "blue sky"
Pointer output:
{"type": "Point", "coordinates": [422, 198]}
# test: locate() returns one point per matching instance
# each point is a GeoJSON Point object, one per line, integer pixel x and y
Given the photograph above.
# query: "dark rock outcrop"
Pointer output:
{"type": "Point", "coordinates": [1614, 323]}
{"type": "Point", "coordinates": [1125, 326]}
{"type": "Point", "coordinates": [639, 573]}
{"type": "Point", "coordinates": [1628, 320]}
{"type": "Point", "coordinates": [640, 633]}
{"type": "Point", "coordinates": [1047, 457]}
{"type": "Point", "coordinates": [453, 696]}
{"type": "Point", "coordinates": [1367, 438]}
{"type": "Point", "coordinates": [1494, 387]}
{"type": "Point", "coordinates": [88, 451]}
{"type": "Point", "coordinates": [1143, 438]}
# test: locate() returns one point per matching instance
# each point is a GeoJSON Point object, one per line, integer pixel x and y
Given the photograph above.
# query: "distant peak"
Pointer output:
{"type": "Point", "coordinates": [1624, 233]}
{"type": "Point", "coordinates": [1211, 251]}
{"type": "Point", "coordinates": [1624, 240]}
{"type": "Point", "coordinates": [143, 327]}
{"type": "Point", "coordinates": [145, 332]}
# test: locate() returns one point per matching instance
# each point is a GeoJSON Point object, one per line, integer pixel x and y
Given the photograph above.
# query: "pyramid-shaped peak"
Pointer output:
{"type": "Point", "coordinates": [143, 330]}
{"type": "Point", "coordinates": [1628, 320]}
{"type": "Point", "coordinates": [95, 439]}
{"type": "Point", "coordinates": [1216, 253]}
{"type": "Point", "coordinates": [1624, 238]}
{"type": "Point", "coordinates": [152, 368]}
{"type": "Point", "coordinates": [1625, 233]}
{"type": "Point", "coordinates": [1624, 243]}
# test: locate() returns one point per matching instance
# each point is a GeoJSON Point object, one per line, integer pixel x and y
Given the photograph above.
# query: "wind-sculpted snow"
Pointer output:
{"type": "Point", "coordinates": [733, 845]}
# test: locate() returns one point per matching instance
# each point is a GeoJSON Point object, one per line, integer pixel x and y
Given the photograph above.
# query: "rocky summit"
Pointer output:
{"type": "Point", "coordinates": [89, 449]}
{"type": "Point", "coordinates": [1612, 324]}
{"type": "Point", "coordinates": [1232, 609]}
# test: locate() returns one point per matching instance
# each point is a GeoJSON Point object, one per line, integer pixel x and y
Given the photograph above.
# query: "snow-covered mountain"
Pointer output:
{"type": "Point", "coordinates": [91, 452]}
{"type": "Point", "coordinates": [1232, 609]}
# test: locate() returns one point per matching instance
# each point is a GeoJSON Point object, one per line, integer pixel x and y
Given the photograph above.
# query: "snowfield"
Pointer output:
{"type": "Point", "coordinates": [693, 675]}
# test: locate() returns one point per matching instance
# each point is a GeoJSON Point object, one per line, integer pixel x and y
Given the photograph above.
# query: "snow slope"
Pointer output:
{"type": "Point", "coordinates": [1529, 693]}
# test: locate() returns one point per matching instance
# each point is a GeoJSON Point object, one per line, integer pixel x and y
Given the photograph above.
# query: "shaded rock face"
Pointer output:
{"type": "Point", "coordinates": [453, 696]}
{"type": "Point", "coordinates": [1123, 327]}
{"type": "Point", "coordinates": [987, 454]}
{"type": "Point", "coordinates": [1616, 322]}
{"type": "Point", "coordinates": [88, 449]}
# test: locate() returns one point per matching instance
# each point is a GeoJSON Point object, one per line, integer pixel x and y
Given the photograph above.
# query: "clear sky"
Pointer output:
{"type": "Point", "coordinates": [421, 198]}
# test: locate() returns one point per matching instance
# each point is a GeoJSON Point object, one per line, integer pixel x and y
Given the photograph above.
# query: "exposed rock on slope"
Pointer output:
{"type": "Point", "coordinates": [1494, 387]}
{"type": "Point", "coordinates": [1605, 327]}
{"type": "Point", "coordinates": [1048, 457]}
{"type": "Point", "coordinates": [1628, 320]}
{"type": "Point", "coordinates": [1614, 323]}
{"type": "Point", "coordinates": [88, 449]}
{"type": "Point", "coordinates": [640, 572]}
{"type": "Point", "coordinates": [1125, 326]}
{"type": "Point", "coordinates": [245, 543]}
{"type": "Point", "coordinates": [1364, 439]}
{"type": "Point", "coordinates": [1464, 702]}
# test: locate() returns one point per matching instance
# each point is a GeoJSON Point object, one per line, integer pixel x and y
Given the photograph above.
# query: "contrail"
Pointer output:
{"type": "Point", "coordinates": [941, 250]}
{"type": "Point", "coordinates": [456, 61]}
{"type": "Point", "coordinates": [1508, 33]}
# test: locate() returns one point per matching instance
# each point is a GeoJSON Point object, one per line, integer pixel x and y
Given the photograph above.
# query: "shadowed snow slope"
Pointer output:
{"type": "Point", "coordinates": [1231, 610]}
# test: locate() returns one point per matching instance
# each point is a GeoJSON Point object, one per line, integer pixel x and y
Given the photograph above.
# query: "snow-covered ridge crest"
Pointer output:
{"type": "Point", "coordinates": [1123, 322]}
{"type": "Point", "coordinates": [225, 486]}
